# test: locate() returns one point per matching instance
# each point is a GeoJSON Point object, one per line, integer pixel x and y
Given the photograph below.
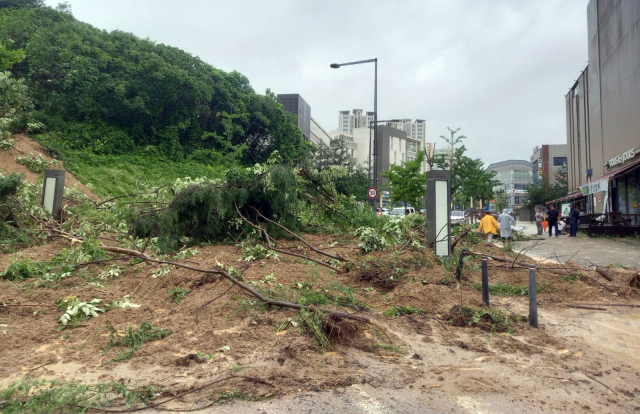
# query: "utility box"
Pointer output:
{"type": "Point", "coordinates": [438, 212]}
{"type": "Point", "coordinates": [53, 191]}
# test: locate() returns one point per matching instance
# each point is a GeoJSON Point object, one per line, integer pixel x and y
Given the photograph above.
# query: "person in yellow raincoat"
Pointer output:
{"type": "Point", "coordinates": [489, 225]}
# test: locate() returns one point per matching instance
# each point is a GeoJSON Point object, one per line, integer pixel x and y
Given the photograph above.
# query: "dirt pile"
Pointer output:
{"type": "Point", "coordinates": [23, 146]}
{"type": "Point", "coordinates": [427, 331]}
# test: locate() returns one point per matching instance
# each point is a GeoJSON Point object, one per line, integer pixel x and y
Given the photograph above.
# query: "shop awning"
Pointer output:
{"type": "Point", "coordinates": [612, 174]}
{"type": "Point", "coordinates": [596, 185]}
{"type": "Point", "coordinates": [572, 196]}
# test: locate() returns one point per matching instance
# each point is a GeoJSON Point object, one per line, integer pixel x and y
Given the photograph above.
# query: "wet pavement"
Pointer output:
{"type": "Point", "coordinates": [584, 250]}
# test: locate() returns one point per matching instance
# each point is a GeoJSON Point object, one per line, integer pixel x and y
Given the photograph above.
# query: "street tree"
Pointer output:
{"type": "Point", "coordinates": [501, 200]}
{"type": "Point", "coordinates": [469, 180]}
{"type": "Point", "coordinates": [453, 140]}
{"type": "Point", "coordinates": [336, 154]}
{"type": "Point", "coordinates": [543, 191]}
{"type": "Point", "coordinates": [406, 182]}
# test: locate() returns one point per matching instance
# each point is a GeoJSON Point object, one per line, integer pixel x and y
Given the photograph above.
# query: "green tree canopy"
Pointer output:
{"type": "Point", "coordinates": [469, 179]}
{"type": "Point", "coordinates": [543, 191]}
{"type": "Point", "coordinates": [21, 3]}
{"type": "Point", "coordinates": [336, 154]}
{"type": "Point", "coordinates": [406, 182]}
{"type": "Point", "coordinates": [114, 92]}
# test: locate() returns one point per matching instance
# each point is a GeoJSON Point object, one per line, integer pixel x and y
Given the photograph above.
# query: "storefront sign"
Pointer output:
{"type": "Point", "coordinates": [621, 159]}
{"type": "Point", "coordinates": [595, 187]}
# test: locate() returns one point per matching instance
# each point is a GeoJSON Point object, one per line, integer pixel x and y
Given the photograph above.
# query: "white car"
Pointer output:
{"type": "Point", "coordinates": [456, 216]}
{"type": "Point", "coordinates": [400, 211]}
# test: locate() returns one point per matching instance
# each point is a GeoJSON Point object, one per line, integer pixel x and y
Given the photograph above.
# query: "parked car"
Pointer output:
{"type": "Point", "coordinates": [456, 216]}
{"type": "Point", "coordinates": [401, 211]}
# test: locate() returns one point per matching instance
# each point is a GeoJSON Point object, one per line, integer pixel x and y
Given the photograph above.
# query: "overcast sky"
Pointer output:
{"type": "Point", "coordinates": [498, 69]}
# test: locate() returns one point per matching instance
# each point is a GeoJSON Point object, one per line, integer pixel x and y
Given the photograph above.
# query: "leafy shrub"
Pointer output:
{"type": "Point", "coordinates": [398, 311]}
{"type": "Point", "coordinates": [207, 212]}
{"type": "Point", "coordinates": [33, 164]}
{"type": "Point", "coordinates": [177, 293]}
{"type": "Point", "coordinates": [370, 239]}
{"type": "Point", "coordinates": [99, 138]}
{"type": "Point", "coordinates": [503, 289]}
{"type": "Point", "coordinates": [487, 319]}
{"type": "Point", "coordinates": [123, 303]}
{"type": "Point", "coordinates": [258, 252]}
{"type": "Point", "coordinates": [76, 311]}
{"type": "Point", "coordinates": [21, 269]}
{"type": "Point", "coordinates": [133, 339]}
{"type": "Point", "coordinates": [6, 144]}
{"type": "Point", "coordinates": [52, 396]}
{"type": "Point", "coordinates": [9, 185]}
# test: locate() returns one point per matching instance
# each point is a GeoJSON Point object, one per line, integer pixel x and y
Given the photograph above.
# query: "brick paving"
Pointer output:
{"type": "Point", "coordinates": [586, 251]}
{"type": "Point", "coordinates": [615, 332]}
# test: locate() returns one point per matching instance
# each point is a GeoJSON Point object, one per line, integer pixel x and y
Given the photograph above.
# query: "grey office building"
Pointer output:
{"type": "Point", "coordinates": [294, 103]}
{"type": "Point", "coordinates": [515, 178]}
{"type": "Point", "coordinates": [603, 113]}
{"type": "Point", "coordinates": [390, 144]}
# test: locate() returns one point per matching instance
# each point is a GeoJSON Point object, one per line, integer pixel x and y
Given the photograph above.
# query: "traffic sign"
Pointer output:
{"type": "Point", "coordinates": [372, 192]}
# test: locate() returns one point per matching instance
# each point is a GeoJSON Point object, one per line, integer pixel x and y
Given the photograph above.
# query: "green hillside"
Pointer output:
{"type": "Point", "coordinates": [104, 93]}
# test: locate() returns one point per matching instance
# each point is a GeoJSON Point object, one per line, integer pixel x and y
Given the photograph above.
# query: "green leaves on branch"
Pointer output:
{"type": "Point", "coordinates": [406, 182]}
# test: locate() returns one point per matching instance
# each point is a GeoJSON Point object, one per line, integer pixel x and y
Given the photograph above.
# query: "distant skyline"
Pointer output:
{"type": "Point", "coordinates": [499, 69]}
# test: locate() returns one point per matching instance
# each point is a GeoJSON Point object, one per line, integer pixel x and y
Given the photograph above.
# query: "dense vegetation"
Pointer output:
{"type": "Point", "coordinates": [113, 93]}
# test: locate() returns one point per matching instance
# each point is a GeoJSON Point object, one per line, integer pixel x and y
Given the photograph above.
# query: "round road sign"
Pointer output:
{"type": "Point", "coordinates": [372, 192]}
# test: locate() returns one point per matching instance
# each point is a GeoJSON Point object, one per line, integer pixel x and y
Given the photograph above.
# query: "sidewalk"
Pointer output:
{"type": "Point", "coordinates": [586, 251]}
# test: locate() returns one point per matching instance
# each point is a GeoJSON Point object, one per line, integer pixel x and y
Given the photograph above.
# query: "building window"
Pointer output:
{"type": "Point", "coordinates": [559, 161]}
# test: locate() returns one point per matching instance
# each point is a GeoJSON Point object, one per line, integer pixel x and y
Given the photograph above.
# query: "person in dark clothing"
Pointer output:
{"type": "Point", "coordinates": [574, 219]}
{"type": "Point", "coordinates": [552, 218]}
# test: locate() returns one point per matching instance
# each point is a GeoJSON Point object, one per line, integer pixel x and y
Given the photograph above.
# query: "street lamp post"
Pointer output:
{"type": "Point", "coordinates": [375, 115]}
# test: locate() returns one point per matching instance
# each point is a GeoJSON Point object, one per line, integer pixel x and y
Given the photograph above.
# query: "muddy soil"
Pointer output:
{"type": "Point", "coordinates": [23, 146]}
{"type": "Point", "coordinates": [412, 358]}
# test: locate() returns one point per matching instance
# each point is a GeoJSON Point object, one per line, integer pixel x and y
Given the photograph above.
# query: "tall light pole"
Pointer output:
{"type": "Point", "coordinates": [375, 115]}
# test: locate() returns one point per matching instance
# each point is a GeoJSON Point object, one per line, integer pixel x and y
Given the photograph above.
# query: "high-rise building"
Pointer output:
{"type": "Point", "coordinates": [415, 130]}
{"type": "Point", "coordinates": [355, 124]}
{"type": "Point", "coordinates": [602, 108]}
{"type": "Point", "coordinates": [294, 103]}
{"type": "Point", "coordinates": [347, 121]}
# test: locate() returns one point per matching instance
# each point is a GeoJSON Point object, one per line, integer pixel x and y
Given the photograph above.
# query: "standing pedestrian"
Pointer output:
{"type": "Point", "coordinates": [505, 220]}
{"type": "Point", "coordinates": [539, 218]}
{"type": "Point", "coordinates": [489, 225]}
{"type": "Point", "coordinates": [552, 218]}
{"type": "Point", "coordinates": [574, 219]}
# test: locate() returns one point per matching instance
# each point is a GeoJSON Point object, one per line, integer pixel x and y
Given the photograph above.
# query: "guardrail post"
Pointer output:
{"type": "Point", "coordinates": [485, 281]}
{"type": "Point", "coordinates": [533, 298]}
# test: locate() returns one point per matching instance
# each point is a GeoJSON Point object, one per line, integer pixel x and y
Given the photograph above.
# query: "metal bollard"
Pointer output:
{"type": "Point", "coordinates": [485, 281]}
{"type": "Point", "coordinates": [460, 265]}
{"type": "Point", "coordinates": [533, 298]}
